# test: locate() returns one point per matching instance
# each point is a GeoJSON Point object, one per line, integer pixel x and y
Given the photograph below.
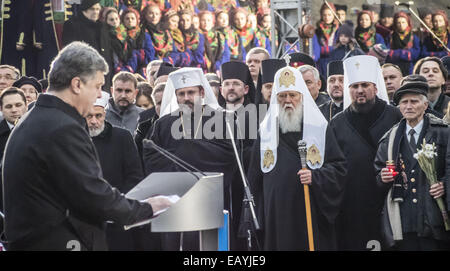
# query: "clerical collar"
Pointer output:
{"type": "Point", "coordinates": [338, 104]}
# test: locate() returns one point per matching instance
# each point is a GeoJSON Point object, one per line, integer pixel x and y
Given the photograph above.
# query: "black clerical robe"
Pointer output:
{"type": "Point", "coordinates": [208, 155]}
{"type": "Point", "coordinates": [330, 109]}
{"type": "Point", "coordinates": [279, 196]}
{"type": "Point", "coordinates": [358, 134]}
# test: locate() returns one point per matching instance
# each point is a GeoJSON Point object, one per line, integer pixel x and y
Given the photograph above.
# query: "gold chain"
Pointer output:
{"type": "Point", "coordinates": [331, 109]}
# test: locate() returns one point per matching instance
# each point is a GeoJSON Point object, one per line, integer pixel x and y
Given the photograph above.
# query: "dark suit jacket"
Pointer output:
{"type": "Point", "coordinates": [4, 134]}
{"type": "Point", "coordinates": [119, 158]}
{"type": "Point", "coordinates": [424, 213]}
{"type": "Point", "coordinates": [53, 184]}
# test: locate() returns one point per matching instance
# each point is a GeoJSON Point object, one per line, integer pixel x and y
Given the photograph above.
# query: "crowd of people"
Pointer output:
{"type": "Point", "coordinates": [176, 72]}
{"type": "Point", "coordinates": [206, 34]}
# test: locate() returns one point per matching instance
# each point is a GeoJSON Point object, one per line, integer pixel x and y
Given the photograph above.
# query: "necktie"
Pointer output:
{"type": "Point", "coordinates": [412, 140]}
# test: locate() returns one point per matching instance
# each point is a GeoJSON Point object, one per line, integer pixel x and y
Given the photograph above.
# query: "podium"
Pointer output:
{"type": "Point", "coordinates": [200, 207]}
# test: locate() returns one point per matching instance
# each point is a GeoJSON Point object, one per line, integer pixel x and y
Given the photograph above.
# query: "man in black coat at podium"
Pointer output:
{"type": "Point", "coordinates": [55, 194]}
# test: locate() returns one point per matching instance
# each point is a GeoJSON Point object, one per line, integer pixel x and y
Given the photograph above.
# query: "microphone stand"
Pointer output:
{"type": "Point", "coordinates": [248, 200]}
{"type": "Point", "coordinates": [172, 157]}
{"type": "Point", "coordinates": [178, 161]}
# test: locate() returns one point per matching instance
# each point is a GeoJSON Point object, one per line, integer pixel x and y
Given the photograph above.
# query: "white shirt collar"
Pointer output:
{"type": "Point", "coordinates": [338, 104]}
{"type": "Point", "coordinates": [417, 128]}
{"type": "Point", "coordinates": [10, 125]}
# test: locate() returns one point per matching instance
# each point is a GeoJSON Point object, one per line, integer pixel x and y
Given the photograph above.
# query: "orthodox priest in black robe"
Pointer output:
{"type": "Point", "coordinates": [237, 95]}
{"type": "Point", "coordinates": [358, 129]}
{"type": "Point", "coordinates": [276, 166]}
{"type": "Point", "coordinates": [265, 83]}
{"type": "Point", "coordinates": [335, 88]}
{"type": "Point", "coordinates": [195, 132]}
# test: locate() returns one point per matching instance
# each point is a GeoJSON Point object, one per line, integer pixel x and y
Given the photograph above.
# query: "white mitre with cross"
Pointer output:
{"type": "Point", "coordinates": [183, 78]}
{"type": "Point", "coordinates": [314, 123]}
{"type": "Point", "coordinates": [363, 68]}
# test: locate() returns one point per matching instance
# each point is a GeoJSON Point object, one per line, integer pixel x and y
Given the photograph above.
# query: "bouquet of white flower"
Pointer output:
{"type": "Point", "coordinates": [425, 156]}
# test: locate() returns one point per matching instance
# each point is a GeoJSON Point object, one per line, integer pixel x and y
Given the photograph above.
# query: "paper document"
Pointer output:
{"type": "Point", "coordinates": [172, 198]}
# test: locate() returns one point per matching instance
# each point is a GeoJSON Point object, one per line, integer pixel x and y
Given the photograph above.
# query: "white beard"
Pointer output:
{"type": "Point", "coordinates": [95, 132]}
{"type": "Point", "coordinates": [291, 121]}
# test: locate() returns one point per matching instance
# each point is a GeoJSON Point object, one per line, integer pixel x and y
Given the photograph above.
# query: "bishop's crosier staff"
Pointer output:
{"type": "Point", "coordinates": [302, 151]}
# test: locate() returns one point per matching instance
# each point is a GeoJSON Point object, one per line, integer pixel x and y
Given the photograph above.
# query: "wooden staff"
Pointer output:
{"type": "Point", "coordinates": [302, 151]}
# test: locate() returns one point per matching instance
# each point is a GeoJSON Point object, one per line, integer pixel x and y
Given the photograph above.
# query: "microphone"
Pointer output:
{"type": "Point", "coordinates": [301, 144]}
{"type": "Point", "coordinates": [172, 157]}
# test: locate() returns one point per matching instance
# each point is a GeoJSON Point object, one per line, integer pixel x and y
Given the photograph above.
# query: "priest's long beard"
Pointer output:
{"type": "Point", "coordinates": [93, 132]}
{"type": "Point", "coordinates": [290, 121]}
{"type": "Point", "coordinates": [363, 108]}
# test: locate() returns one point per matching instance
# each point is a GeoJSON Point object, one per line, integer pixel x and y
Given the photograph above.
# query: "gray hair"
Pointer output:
{"type": "Point", "coordinates": [77, 59]}
{"type": "Point", "coordinates": [14, 69]}
{"type": "Point", "coordinates": [151, 65]}
{"type": "Point", "coordinates": [158, 88]}
{"type": "Point", "coordinates": [306, 68]}
{"type": "Point", "coordinates": [423, 98]}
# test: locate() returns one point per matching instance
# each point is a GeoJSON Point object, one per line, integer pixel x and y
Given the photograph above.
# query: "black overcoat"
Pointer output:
{"type": "Point", "coordinates": [359, 218]}
{"type": "Point", "coordinates": [54, 191]}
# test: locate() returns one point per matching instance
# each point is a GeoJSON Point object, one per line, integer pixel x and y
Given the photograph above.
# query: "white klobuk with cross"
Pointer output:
{"type": "Point", "coordinates": [363, 68]}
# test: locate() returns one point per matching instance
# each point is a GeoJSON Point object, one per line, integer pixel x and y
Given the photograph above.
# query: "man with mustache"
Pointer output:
{"type": "Point", "coordinates": [121, 165]}
{"type": "Point", "coordinates": [276, 175]}
{"type": "Point", "coordinates": [268, 69]}
{"type": "Point", "coordinates": [192, 126]}
{"type": "Point", "coordinates": [238, 94]}
{"type": "Point", "coordinates": [358, 129]}
{"type": "Point", "coordinates": [335, 85]}
{"type": "Point", "coordinates": [121, 110]}
{"type": "Point", "coordinates": [237, 88]}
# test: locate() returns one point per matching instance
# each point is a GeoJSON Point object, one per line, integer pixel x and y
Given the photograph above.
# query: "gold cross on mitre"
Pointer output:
{"type": "Point", "coordinates": [357, 64]}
